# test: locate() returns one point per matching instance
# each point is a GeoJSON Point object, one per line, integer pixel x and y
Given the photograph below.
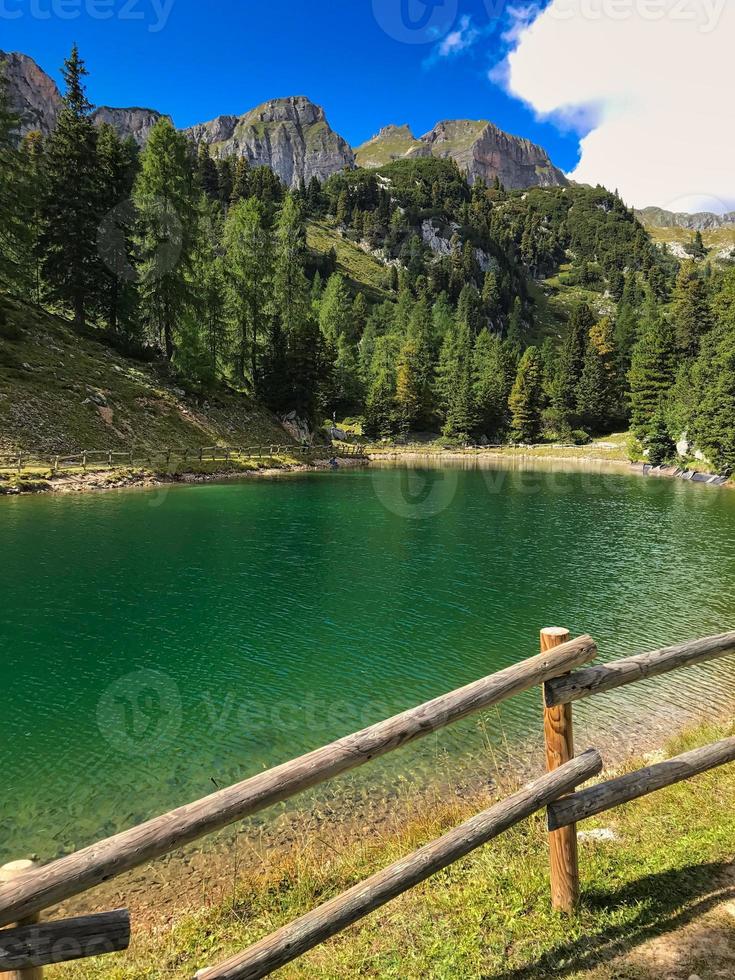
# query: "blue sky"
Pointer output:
{"type": "Point", "coordinates": [368, 62]}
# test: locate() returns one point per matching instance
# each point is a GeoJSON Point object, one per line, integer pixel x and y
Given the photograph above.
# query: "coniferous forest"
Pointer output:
{"type": "Point", "coordinates": [203, 264]}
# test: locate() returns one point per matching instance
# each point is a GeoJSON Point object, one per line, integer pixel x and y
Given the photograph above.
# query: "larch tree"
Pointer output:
{"type": "Point", "coordinates": [167, 226]}
{"type": "Point", "coordinates": [248, 261]}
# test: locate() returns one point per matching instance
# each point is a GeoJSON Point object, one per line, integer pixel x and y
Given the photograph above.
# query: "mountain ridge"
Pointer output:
{"type": "Point", "coordinates": [293, 137]}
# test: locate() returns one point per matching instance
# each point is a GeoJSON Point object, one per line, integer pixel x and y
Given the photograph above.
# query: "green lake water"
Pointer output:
{"type": "Point", "coordinates": [154, 645]}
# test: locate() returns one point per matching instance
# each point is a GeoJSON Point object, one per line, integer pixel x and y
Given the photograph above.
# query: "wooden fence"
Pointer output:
{"type": "Point", "coordinates": [27, 891]}
{"type": "Point", "coordinates": [107, 458]}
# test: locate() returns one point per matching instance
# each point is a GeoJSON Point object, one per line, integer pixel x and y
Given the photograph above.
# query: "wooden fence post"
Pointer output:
{"type": "Point", "coordinates": [9, 872]}
{"type": "Point", "coordinates": [559, 739]}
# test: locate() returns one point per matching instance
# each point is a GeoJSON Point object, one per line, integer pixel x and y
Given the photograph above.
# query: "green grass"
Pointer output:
{"type": "Point", "coordinates": [362, 269]}
{"type": "Point", "coordinates": [489, 915]}
{"type": "Point", "coordinates": [50, 377]}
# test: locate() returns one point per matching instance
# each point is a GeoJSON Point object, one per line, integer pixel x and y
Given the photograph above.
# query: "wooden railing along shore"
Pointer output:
{"type": "Point", "coordinates": [106, 458]}
{"type": "Point", "coordinates": [29, 946]}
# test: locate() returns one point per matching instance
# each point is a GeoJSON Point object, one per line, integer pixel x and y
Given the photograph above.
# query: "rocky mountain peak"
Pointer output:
{"type": "Point", "coordinates": [33, 95]}
{"type": "Point", "coordinates": [291, 136]}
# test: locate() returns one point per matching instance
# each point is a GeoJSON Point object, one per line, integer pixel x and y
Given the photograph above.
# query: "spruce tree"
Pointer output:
{"type": "Point", "coordinates": [493, 373]}
{"type": "Point", "coordinates": [415, 370]}
{"type": "Point", "coordinates": [571, 362]}
{"type": "Point", "coordinates": [598, 392]}
{"type": "Point", "coordinates": [526, 398]}
{"type": "Point", "coordinates": [116, 296]}
{"type": "Point", "coordinates": [653, 370]}
{"type": "Point", "coordinates": [71, 211]}
{"type": "Point", "coordinates": [455, 383]}
{"type": "Point", "coordinates": [167, 227]}
{"type": "Point", "coordinates": [692, 314]}
{"type": "Point", "coordinates": [713, 380]}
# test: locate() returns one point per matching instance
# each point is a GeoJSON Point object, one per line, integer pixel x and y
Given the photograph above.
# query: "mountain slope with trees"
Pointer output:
{"type": "Point", "coordinates": [405, 295]}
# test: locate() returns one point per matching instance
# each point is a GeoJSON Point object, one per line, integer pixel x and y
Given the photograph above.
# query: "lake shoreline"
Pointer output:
{"type": "Point", "coordinates": [105, 480]}
{"type": "Point", "coordinates": [206, 874]}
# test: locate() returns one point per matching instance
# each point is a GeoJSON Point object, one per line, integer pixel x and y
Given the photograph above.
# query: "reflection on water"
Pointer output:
{"type": "Point", "coordinates": [155, 646]}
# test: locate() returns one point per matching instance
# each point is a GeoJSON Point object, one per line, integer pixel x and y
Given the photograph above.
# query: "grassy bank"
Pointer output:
{"type": "Point", "coordinates": [656, 894]}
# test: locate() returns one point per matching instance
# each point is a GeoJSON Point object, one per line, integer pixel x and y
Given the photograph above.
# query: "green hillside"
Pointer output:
{"type": "Point", "coordinates": [62, 392]}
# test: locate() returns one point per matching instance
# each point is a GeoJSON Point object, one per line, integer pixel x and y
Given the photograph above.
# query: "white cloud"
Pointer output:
{"type": "Point", "coordinates": [459, 40]}
{"type": "Point", "coordinates": [655, 76]}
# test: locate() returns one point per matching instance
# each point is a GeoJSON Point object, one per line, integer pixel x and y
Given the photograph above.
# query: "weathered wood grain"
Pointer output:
{"type": "Point", "coordinates": [559, 742]}
{"type": "Point", "coordinates": [597, 680]}
{"type": "Point", "coordinates": [35, 946]}
{"type": "Point", "coordinates": [597, 799]}
{"type": "Point", "coordinates": [44, 887]}
{"type": "Point", "coordinates": [313, 928]}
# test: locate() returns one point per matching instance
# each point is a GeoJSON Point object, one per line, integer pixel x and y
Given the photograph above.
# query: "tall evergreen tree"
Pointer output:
{"type": "Point", "coordinates": [248, 254]}
{"type": "Point", "coordinates": [71, 265]}
{"type": "Point", "coordinates": [335, 313]}
{"type": "Point", "coordinates": [525, 400]}
{"type": "Point", "coordinates": [493, 374]}
{"type": "Point", "coordinates": [652, 371]}
{"type": "Point", "coordinates": [116, 296]}
{"type": "Point", "coordinates": [692, 314]}
{"type": "Point", "coordinates": [455, 382]}
{"type": "Point", "coordinates": [598, 391]}
{"type": "Point", "coordinates": [167, 227]}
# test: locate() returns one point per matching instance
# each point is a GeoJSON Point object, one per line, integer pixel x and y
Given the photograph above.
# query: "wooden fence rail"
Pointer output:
{"type": "Point", "coordinates": [68, 876]}
{"type": "Point", "coordinates": [634, 785]}
{"type": "Point", "coordinates": [213, 454]}
{"type": "Point", "coordinates": [35, 889]}
{"type": "Point", "coordinates": [598, 680]}
{"type": "Point", "coordinates": [32, 947]}
{"type": "Point", "coordinates": [313, 928]}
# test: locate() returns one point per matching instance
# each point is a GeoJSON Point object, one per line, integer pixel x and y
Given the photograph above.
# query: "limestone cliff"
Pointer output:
{"type": "Point", "coordinates": [478, 147]}
{"type": "Point", "coordinates": [291, 136]}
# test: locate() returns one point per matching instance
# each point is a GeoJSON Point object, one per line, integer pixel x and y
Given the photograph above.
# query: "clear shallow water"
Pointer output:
{"type": "Point", "coordinates": [155, 645]}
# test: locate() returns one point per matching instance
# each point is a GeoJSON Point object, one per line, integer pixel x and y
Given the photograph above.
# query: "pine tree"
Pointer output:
{"type": "Point", "coordinates": [493, 373]}
{"type": "Point", "coordinates": [241, 181]}
{"type": "Point", "coordinates": [71, 213]}
{"type": "Point", "coordinates": [415, 370]}
{"type": "Point", "coordinates": [713, 380]}
{"type": "Point", "coordinates": [167, 226]}
{"type": "Point", "coordinates": [248, 262]}
{"type": "Point", "coordinates": [207, 174]}
{"type": "Point", "coordinates": [116, 296]}
{"type": "Point", "coordinates": [455, 383]}
{"type": "Point", "coordinates": [652, 371]}
{"type": "Point", "coordinates": [571, 363]}
{"type": "Point", "coordinates": [692, 314]}
{"type": "Point", "coordinates": [33, 166]}
{"type": "Point", "coordinates": [470, 309]}
{"type": "Point", "coordinates": [290, 285]}
{"type": "Point", "coordinates": [598, 393]}
{"type": "Point", "coordinates": [525, 400]}
{"type": "Point", "coordinates": [379, 404]}
{"type": "Point", "coordinates": [335, 313]}
{"type": "Point", "coordinates": [491, 300]}
{"type": "Point", "coordinates": [660, 445]}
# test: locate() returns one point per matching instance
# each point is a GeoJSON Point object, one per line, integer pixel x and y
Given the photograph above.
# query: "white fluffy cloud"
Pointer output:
{"type": "Point", "coordinates": [656, 78]}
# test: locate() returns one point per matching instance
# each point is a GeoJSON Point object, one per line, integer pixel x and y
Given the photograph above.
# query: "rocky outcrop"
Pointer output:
{"type": "Point", "coordinates": [703, 221]}
{"type": "Point", "coordinates": [391, 143]}
{"type": "Point", "coordinates": [486, 152]}
{"type": "Point", "coordinates": [479, 148]}
{"type": "Point", "coordinates": [33, 96]}
{"type": "Point", "coordinates": [133, 122]}
{"type": "Point", "coordinates": [291, 136]}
